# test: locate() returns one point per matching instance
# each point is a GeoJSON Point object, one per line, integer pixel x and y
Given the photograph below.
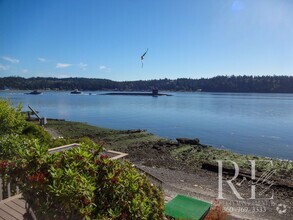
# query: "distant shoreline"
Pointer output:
{"type": "Point", "coordinates": [233, 84]}
{"type": "Point", "coordinates": [143, 91]}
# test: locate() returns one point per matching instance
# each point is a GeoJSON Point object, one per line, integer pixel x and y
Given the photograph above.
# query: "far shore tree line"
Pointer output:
{"type": "Point", "coordinates": [256, 84]}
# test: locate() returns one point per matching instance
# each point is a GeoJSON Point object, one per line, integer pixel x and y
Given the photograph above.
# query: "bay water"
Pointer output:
{"type": "Point", "coordinates": [258, 124]}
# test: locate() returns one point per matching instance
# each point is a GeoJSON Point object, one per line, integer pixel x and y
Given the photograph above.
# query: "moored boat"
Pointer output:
{"type": "Point", "coordinates": [35, 92]}
{"type": "Point", "coordinates": [76, 91]}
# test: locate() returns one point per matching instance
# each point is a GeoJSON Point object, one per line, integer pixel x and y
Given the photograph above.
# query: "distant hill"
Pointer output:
{"type": "Point", "coordinates": [258, 84]}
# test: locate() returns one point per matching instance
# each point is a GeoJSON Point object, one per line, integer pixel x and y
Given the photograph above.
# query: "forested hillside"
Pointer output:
{"type": "Point", "coordinates": [272, 84]}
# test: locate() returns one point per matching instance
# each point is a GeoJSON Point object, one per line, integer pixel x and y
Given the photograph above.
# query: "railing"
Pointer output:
{"type": "Point", "coordinates": [154, 180]}
{"type": "Point", "coordinates": [7, 189]}
{"type": "Point", "coordinates": [114, 155]}
{"type": "Point", "coordinates": [62, 148]}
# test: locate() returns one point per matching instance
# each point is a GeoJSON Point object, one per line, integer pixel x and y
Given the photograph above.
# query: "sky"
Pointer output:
{"type": "Point", "coordinates": [184, 38]}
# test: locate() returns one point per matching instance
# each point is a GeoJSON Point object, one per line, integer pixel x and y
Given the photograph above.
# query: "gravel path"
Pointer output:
{"type": "Point", "coordinates": [52, 132]}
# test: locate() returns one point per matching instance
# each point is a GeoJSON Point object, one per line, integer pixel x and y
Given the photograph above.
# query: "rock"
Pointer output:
{"type": "Point", "coordinates": [160, 143]}
{"type": "Point", "coordinates": [210, 167]}
{"type": "Point", "coordinates": [188, 141]}
{"type": "Point", "coordinates": [157, 147]}
{"type": "Point", "coordinates": [134, 131]}
{"type": "Point", "coordinates": [203, 145]}
{"type": "Point", "coordinates": [171, 144]}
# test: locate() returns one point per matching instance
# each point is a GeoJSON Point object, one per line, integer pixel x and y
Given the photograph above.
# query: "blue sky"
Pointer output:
{"type": "Point", "coordinates": [185, 38]}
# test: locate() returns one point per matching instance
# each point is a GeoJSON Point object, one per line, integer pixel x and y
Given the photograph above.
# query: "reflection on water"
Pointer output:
{"type": "Point", "coordinates": [246, 123]}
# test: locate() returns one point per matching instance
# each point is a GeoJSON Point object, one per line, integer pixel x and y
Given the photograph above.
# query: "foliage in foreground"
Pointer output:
{"type": "Point", "coordinates": [80, 183]}
{"type": "Point", "coordinates": [11, 119]}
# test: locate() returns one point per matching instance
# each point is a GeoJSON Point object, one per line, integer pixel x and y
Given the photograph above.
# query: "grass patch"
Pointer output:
{"type": "Point", "coordinates": [108, 138]}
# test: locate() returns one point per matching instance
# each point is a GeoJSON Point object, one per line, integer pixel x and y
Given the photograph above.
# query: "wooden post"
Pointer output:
{"type": "Point", "coordinates": [1, 189]}
{"type": "Point", "coordinates": [34, 112]}
{"type": "Point", "coordinates": [8, 190]}
{"type": "Point", "coordinates": [28, 115]}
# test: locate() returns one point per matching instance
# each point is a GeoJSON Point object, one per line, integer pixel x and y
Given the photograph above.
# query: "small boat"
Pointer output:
{"type": "Point", "coordinates": [35, 92]}
{"type": "Point", "coordinates": [76, 91]}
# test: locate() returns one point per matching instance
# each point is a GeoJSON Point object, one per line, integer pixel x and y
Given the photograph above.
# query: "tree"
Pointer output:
{"type": "Point", "coordinates": [12, 121]}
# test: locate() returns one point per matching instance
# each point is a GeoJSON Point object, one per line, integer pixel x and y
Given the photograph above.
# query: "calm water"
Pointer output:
{"type": "Point", "coordinates": [260, 124]}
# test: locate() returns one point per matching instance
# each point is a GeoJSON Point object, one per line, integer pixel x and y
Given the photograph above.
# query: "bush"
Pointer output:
{"type": "Point", "coordinates": [36, 132]}
{"type": "Point", "coordinates": [81, 184]}
{"type": "Point", "coordinates": [217, 212]}
{"type": "Point", "coordinates": [12, 121]}
{"type": "Point", "coordinates": [12, 144]}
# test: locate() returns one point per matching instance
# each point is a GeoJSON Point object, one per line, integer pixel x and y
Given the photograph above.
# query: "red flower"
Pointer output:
{"type": "Point", "coordinates": [3, 164]}
{"type": "Point", "coordinates": [38, 177]}
{"type": "Point", "coordinates": [124, 215]}
{"type": "Point", "coordinates": [98, 162]}
{"type": "Point", "coordinates": [114, 180]}
{"type": "Point", "coordinates": [86, 202]}
{"type": "Point", "coordinates": [104, 156]}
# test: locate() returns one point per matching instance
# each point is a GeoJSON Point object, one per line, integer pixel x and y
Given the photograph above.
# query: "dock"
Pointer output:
{"type": "Point", "coordinates": [13, 208]}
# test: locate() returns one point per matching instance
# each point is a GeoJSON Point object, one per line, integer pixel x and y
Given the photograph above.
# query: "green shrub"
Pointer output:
{"type": "Point", "coordinates": [36, 132]}
{"type": "Point", "coordinates": [60, 142]}
{"type": "Point", "coordinates": [81, 184]}
{"type": "Point", "coordinates": [121, 184]}
{"type": "Point", "coordinates": [12, 144]}
{"type": "Point", "coordinates": [12, 121]}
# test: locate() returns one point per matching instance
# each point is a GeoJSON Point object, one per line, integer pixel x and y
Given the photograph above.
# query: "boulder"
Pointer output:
{"type": "Point", "coordinates": [134, 131]}
{"type": "Point", "coordinates": [188, 141]}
